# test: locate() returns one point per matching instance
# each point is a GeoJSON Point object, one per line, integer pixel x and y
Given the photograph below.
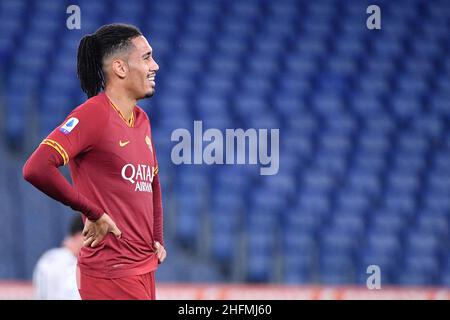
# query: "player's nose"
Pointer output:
{"type": "Point", "coordinates": [154, 66]}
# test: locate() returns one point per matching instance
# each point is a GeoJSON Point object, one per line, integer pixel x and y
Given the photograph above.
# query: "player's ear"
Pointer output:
{"type": "Point", "coordinates": [119, 68]}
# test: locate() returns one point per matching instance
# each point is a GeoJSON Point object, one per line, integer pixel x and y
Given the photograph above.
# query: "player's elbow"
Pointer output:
{"type": "Point", "coordinates": [31, 171]}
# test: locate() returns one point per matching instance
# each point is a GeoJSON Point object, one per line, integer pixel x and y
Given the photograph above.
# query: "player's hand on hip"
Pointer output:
{"type": "Point", "coordinates": [95, 231]}
{"type": "Point", "coordinates": [160, 251]}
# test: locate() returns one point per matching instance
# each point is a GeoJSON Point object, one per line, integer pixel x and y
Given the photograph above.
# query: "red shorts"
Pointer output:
{"type": "Point", "coordinates": [141, 287]}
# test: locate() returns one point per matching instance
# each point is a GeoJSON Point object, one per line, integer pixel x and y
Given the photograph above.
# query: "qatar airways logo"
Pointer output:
{"type": "Point", "coordinates": [141, 176]}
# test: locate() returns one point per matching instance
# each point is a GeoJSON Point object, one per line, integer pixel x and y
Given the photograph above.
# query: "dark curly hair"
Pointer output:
{"type": "Point", "coordinates": [94, 48]}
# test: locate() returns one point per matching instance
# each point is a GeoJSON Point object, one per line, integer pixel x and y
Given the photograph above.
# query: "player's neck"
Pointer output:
{"type": "Point", "coordinates": [121, 101]}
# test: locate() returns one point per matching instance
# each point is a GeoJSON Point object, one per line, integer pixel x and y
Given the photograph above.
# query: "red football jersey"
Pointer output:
{"type": "Point", "coordinates": [113, 163]}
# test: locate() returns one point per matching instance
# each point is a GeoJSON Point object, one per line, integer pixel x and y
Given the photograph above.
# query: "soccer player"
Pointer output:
{"type": "Point", "coordinates": [54, 276]}
{"type": "Point", "coordinates": [107, 143]}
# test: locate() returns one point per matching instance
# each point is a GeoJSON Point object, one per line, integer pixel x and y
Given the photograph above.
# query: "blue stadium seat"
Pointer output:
{"type": "Point", "coordinates": [326, 103]}
{"type": "Point", "coordinates": [204, 273]}
{"type": "Point", "coordinates": [305, 125]}
{"type": "Point", "coordinates": [223, 247]}
{"type": "Point", "coordinates": [301, 150]}
{"type": "Point", "coordinates": [8, 229]}
{"type": "Point", "coordinates": [438, 180]}
{"type": "Point", "coordinates": [365, 182]}
{"type": "Point", "coordinates": [334, 240]}
{"type": "Point", "coordinates": [367, 104]}
{"type": "Point", "coordinates": [297, 269]}
{"type": "Point", "coordinates": [224, 64]}
{"type": "Point", "coordinates": [298, 220]}
{"type": "Point", "coordinates": [314, 202]}
{"type": "Point", "coordinates": [264, 121]}
{"type": "Point", "coordinates": [409, 162]}
{"type": "Point", "coordinates": [374, 142]}
{"type": "Point", "coordinates": [445, 279]}
{"type": "Point", "coordinates": [38, 42]}
{"type": "Point", "coordinates": [403, 182]}
{"type": "Point", "coordinates": [429, 222]}
{"type": "Point", "coordinates": [260, 66]}
{"type": "Point", "coordinates": [384, 242]}
{"type": "Point", "coordinates": [353, 202]}
{"type": "Point", "coordinates": [189, 208]}
{"type": "Point", "coordinates": [318, 181]}
{"type": "Point", "coordinates": [250, 105]}
{"type": "Point", "coordinates": [259, 267]}
{"type": "Point", "coordinates": [317, 27]}
{"type": "Point", "coordinates": [420, 274]}
{"type": "Point", "coordinates": [264, 200]}
{"type": "Point", "coordinates": [255, 83]}
{"type": "Point", "coordinates": [291, 164]}
{"type": "Point", "coordinates": [428, 48]}
{"type": "Point", "coordinates": [401, 202]}
{"type": "Point", "coordinates": [406, 106]}
{"type": "Point", "coordinates": [331, 162]}
{"type": "Point", "coordinates": [232, 45]}
{"type": "Point", "coordinates": [413, 142]}
{"type": "Point", "coordinates": [389, 221]}
{"type": "Point", "coordinates": [376, 84]}
{"type": "Point", "coordinates": [283, 183]}
{"type": "Point", "coordinates": [218, 85]}
{"type": "Point", "coordinates": [419, 65]}
{"type": "Point", "coordinates": [336, 268]}
{"type": "Point", "coordinates": [388, 47]}
{"type": "Point", "coordinates": [181, 83]}
{"type": "Point", "coordinates": [370, 162]}
{"type": "Point", "coordinates": [437, 201]}
{"type": "Point", "coordinates": [335, 142]}
{"type": "Point", "coordinates": [349, 223]}
{"type": "Point", "coordinates": [422, 242]}
{"type": "Point", "coordinates": [38, 219]}
{"type": "Point", "coordinates": [379, 65]}
{"type": "Point", "coordinates": [342, 124]}
{"type": "Point", "coordinates": [301, 64]}
{"type": "Point", "coordinates": [381, 123]}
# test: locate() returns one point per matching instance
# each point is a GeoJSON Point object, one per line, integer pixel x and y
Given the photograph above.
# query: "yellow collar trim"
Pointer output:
{"type": "Point", "coordinates": [130, 122]}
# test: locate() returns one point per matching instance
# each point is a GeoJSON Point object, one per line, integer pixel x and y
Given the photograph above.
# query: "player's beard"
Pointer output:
{"type": "Point", "coordinates": [149, 95]}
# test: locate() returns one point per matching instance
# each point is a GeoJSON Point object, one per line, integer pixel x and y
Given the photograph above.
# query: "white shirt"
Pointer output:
{"type": "Point", "coordinates": [54, 277]}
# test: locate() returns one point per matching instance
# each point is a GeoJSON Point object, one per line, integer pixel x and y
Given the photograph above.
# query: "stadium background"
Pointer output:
{"type": "Point", "coordinates": [364, 147]}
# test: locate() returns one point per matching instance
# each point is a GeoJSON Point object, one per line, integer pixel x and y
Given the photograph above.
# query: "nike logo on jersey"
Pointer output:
{"type": "Point", "coordinates": [123, 144]}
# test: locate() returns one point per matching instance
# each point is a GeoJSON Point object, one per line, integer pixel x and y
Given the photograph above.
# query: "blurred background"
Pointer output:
{"type": "Point", "coordinates": [363, 115]}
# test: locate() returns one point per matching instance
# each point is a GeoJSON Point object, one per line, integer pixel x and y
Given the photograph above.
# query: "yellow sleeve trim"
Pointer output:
{"type": "Point", "coordinates": [55, 145]}
{"type": "Point", "coordinates": [155, 171]}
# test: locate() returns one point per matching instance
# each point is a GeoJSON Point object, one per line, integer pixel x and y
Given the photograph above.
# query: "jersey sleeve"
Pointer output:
{"type": "Point", "coordinates": [79, 132]}
{"type": "Point", "coordinates": [158, 219]}
{"type": "Point", "coordinates": [152, 147]}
